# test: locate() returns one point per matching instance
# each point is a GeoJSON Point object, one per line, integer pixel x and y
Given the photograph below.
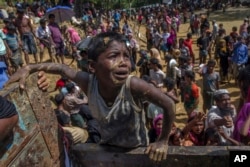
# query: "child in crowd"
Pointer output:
{"type": "Point", "coordinates": [169, 83]}
{"type": "Point", "coordinates": [176, 139]}
{"type": "Point", "coordinates": [210, 84]}
{"type": "Point", "coordinates": [191, 93]}
{"type": "Point", "coordinates": [115, 97]}
{"type": "Point", "coordinates": [156, 130]}
{"type": "Point", "coordinates": [82, 60]}
{"type": "Point", "coordinates": [13, 43]}
{"type": "Point", "coordinates": [143, 63]}
{"type": "Point", "coordinates": [73, 133]}
{"type": "Point", "coordinates": [72, 104]}
{"type": "Point", "coordinates": [155, 72]}
{"type": "Point", "coordinates": [194, 130]}
{"type": "Point", "coordinates": [43, 34]}
{"type": "Point", "coordinates": [212, 137]}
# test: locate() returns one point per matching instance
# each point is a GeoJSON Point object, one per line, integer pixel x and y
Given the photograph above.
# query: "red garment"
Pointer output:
{"type": "Point", "coordinates": [60, 83]}
{"type": "Point", "coordinates": [196, 139]}
{"type": "Point", "coordinates": [188, 43]}
{"type": "Point", "coordinates": [233, 34]}
{"type": "Point", "coordinates": [5, 31]}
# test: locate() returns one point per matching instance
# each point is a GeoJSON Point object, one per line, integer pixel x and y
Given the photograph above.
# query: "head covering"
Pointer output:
{"type": "Point", "coordinates": [70, 86]}
{"type": "Point", "coordinates": [220, 92]}
{"type": "Point", "coordinates": [155, 121]}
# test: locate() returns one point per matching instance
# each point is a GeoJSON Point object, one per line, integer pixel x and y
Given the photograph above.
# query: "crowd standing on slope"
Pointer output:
{"type": "Point", "coordinates": [102, 99]}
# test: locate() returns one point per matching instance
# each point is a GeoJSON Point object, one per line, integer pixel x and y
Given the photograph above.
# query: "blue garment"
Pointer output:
{"type": "Point", "coordinates": [117, 16]}
{"type": "Point", "coordinates": [3, 75]}
{"type": "Point", "coordinates": [240, 53]}
{"type": "Point", "coordinates": [12, 41]}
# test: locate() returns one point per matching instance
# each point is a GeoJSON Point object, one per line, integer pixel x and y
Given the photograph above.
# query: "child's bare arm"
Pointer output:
{"type": "Point", "coordinates": [80, 78]}
{"type": "Point", "coordinates": [224, 135]}
{"type": "Point", "coordinates": [140, 89]}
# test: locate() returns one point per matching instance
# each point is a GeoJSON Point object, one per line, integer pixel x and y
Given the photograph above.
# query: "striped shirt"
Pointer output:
{"type": "Point", "coordinates": [7, 109]}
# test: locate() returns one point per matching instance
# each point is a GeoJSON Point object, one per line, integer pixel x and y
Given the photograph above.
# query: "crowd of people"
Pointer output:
{"type": "Point", "coordinates": [114, 107]}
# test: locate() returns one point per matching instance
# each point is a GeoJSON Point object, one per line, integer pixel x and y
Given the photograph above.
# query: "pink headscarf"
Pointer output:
{"type": "Point", "coordinates": [155, 121]}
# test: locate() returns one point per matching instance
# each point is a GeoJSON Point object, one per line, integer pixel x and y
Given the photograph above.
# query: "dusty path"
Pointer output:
{"type": "Point", "coordinates": [232, 17]}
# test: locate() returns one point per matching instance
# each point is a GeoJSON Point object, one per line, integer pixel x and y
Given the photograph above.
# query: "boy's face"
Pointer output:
{"type": "Point", "coordinates": [210, 68]}
{"type": "Point", "coordinates": [113, 66]}
{"type": "Point", "coordinates": [52, 19]}
{"type": "Point", "coordinates": [198, 127]}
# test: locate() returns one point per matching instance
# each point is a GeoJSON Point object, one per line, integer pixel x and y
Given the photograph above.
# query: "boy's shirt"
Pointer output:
{"type": "Point", "coordinates": [12, 41]}
{"type": "Point", "coordinates": [191, 94]}
{"type": "Point", "coordinates": [209, 81]}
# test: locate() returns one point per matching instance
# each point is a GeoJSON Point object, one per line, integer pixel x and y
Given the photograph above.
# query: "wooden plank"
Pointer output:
{"type": "Point", "coordinates": [46, 118]}
{"type": "Point", "coordinates": [35, 116]}
{"type": "Point", "coordinates": [93, 155]}
{"type": "Point", "coordinates": [29, 155]}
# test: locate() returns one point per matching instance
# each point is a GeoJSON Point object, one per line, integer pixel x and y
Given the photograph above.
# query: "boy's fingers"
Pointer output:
{"type": "Point", "coordinates": [11, 80]}
{"type": "Point", "coordinates": [43, 86]}
{"type": "Point", "coordinates": [147, 150]}
{"type": "Point", "coordinates": [41, 73]}
{"type": "Point", "coordinates": [164, 155]}
{"type": "Point", "coordinates": [21, 83]}
{"type": "Point", "coordinates": [41, 80]}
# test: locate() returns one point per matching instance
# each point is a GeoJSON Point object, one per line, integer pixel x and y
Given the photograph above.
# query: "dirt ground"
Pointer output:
{"type": "Point", "coordinates": [232, 17]}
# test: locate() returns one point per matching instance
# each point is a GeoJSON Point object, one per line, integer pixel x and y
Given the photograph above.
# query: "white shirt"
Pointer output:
{"type": "Point", "coordinates": [43, 33]}
{"type": "Point", "coordinates": [157, 76]}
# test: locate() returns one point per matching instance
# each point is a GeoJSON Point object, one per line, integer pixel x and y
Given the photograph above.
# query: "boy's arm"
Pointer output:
{"type": "Point", "coordinates": [80, 78]}
{"type": "Point", "coordinates": [157, 151]}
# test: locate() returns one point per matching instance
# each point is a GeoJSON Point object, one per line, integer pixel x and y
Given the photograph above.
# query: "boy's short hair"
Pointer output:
{"type": "Point", "coordinates": [42, 21]}
{"type": "Point", "coordinates": [181, 40]}
{"type": "Point", "coordinates": [59, 98]}
{"type": "Point", "coordinates": [189, 35]}
{"type": "Point", "coordinates": [70, 86]}
{"type": "Point", "coordinates": [51, 16]}
{"type": "Point", "coordinates": [169, 82]}
{"type": "Point", "coordinates": [101, 42]}
{"type": "Point", "coordinates": [154, 61]}
{"type": "Point", "coordinates": [211, 62]}
{"type": "Point", "coordinates": [190, 74]}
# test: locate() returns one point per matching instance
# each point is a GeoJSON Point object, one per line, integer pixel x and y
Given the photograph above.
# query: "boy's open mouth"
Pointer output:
{"type": "Point", "coordinates": [121, 74]}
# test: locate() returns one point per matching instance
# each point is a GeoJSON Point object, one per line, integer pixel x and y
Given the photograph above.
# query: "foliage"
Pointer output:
{"type": "Point", "coordinates": [123, 4]}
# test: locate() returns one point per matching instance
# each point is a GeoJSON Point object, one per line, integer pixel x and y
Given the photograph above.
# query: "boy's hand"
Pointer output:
{"type": "Point", "coordinates": [222, 133]}
{"type": "Point", "coordinates": [157, 151]}
{"type": "Point", "coordinates": [42, 82]}
{"type": "Point", "coordinates": [21, 75]}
